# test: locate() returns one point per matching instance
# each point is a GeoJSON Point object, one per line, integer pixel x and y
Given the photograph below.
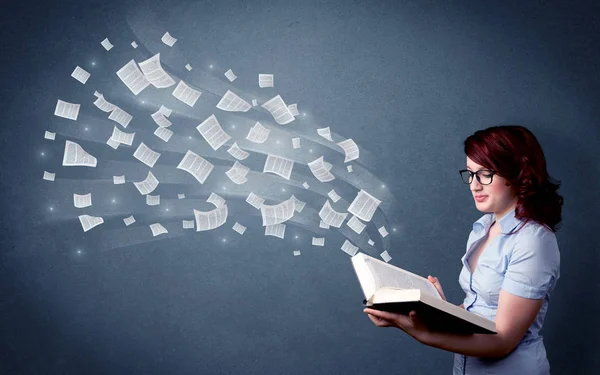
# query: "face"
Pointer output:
{"type": "Point", "coordinates": [499, 196]}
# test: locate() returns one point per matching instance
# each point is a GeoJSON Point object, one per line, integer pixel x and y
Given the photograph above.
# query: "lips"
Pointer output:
{"type": "Point", "coordinates": [480, 196]}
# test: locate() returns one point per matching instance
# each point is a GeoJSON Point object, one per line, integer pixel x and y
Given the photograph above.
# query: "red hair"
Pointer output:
{"type": "Point", "coordinates": [516, 155]}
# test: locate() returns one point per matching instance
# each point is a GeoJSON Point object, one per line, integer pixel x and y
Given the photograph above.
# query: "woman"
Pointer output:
{"type": "Point", "coordinates": [512, 262]}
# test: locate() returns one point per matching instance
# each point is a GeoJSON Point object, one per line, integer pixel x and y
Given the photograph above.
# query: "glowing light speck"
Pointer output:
{"type": "Point", "coordinates": [42, 153]}
{"type": "Point", "coordinates": [51, 208]}
{"type": "Point", "coordinates": [190, 137]}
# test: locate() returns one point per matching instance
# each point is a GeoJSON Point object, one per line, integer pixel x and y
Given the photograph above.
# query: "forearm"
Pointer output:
{"type": "Point", "coordinates": [473, 345]}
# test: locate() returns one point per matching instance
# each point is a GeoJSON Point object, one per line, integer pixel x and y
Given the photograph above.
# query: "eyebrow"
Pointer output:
{"type": "Point", "coordinates": [482, 169]}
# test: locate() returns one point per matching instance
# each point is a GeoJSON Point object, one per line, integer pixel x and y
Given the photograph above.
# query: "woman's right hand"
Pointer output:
{"type": "Point", "coordinates": [436, 283]}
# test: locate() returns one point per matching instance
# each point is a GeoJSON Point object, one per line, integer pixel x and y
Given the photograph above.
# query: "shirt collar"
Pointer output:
{"type": "Point", "coordinates": [507, 224]}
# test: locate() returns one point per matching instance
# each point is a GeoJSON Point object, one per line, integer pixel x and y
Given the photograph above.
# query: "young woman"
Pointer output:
{"type": "Point", "coordinates": [512, 262]}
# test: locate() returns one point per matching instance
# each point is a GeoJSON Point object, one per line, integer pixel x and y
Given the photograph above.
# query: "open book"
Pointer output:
{"type": "Point", "coordinates": [393, 289]}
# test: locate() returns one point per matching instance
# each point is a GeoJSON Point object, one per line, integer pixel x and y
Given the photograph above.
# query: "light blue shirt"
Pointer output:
{"type": "Point", "coordinates": [525, 264]}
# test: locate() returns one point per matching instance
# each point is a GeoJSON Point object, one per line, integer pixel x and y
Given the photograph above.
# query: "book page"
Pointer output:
{"type": "Point", "coordinates": [389, 276]}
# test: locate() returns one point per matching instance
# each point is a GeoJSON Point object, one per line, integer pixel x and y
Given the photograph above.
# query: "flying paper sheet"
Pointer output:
{"type": "Point", "coordinates": [385, 256]}
{"type": "Point", "coordinates": [371, 242]}
{"type": "Point", "coordinates": [146, 155]}
{"type": "Point", "coordinates": [296, 142]}
{"type": "Point", "coordinates": [129, 220]}
{"type": "Point", "coordinates": [196, 165]}
{"type": "Point", "coordinates": [80, 75]}
{"type": "Point", "coordinates": [293, 109]}
{"type": "Point", "coordinates": [160, 119]}
{"type": "Point", "coordinates": [211, 219]}
{"type": "Point", "coordinates": [279, 166]}
{"type": "Point", "coordinates": [168, 39]}
{"type": "Point", "coordinates": [49, 135]}
{"type": "Point", "coordinates": [266, 80]}
{"type": "Point", "coordinates": [106, 44]}
{"type": "Point", "coordinates": [258, 133]}
{"type": "Point", "coordinates": [275, 230]}
{"type": "Point", "coordinates": [163, 133]}
{"type": "Point", "coordinates": [83, 200]}
{"type": "Point", "coordinates": [350, 149]}
{"type": "Point", "coordinates": [278, 213]}
{"type": "Point", "coordinates": [230, 102]}
{"type": "Point", "coordinates": [148, 185]}
{"type": "Point", "coordinates": [356, 225]}
{"type": "Point", "coordinates": [188, 67]}
{"type": "Point", "coordinates": [298, 204]}
{"type": "Point", "coordinates": [119, 180]}
{"type": "Point", "coordinates": [239, 228]}
{"type": "Point", "coordinates": [133, 77]}
{"type": "Point", "coordinates": [66, 110]}
{"type": "Point", "coordinates": [296, 253]}
{"type": "Point", "coordinates": [155, 73]}
{"type": "Point", "coordinates": [279, 110]}
{"type": "Point", "coordinates": [122, 137]}
{"type": "Point", "coordinates": [49, 176]}
{"type": "Point", "coordinates": [103, 105]}
{"type": "Point", "coordinates": [157, 229]}
{"type": "Point", "coordinates": [216, 199]}
{"type": "Point", "coordinates": [364, 205]}
{"type": "Point", "coordinates": [165, 111]}
{"type": "Point", "coordinates": [134, 44]}
{"type": "Point", "coordinates": [320, 170]}
{"type": "Point", "coordinates": [211, 131]}
{"type": "Point", "coordinates": [88, 222]}
{"type": "Point", "coordinates": [120, 116]}
{"type": "Point", "coordinates": [325, 133]}
{"type": "Point", "coordinates": [188, 224]}
{"type": "Point", "coordinates": [349, 248]}
{"type": "Point", "coordinates": [75, 155]}
{"type": "Point", "coordinates": [237, 152]}
{"type": "Point", "coordinates": [237, 173]}
{"type": "Point", "coordinates": [180, 196]}
{"type": "Point", "coordinates": [152, 200]}
{"type": "Point", "coordinates": [332, 217]}
{"type": "Point", "coordinates": [186, 94]}
{"type": "Point", "coordinates": [112, 143]}
{"type": "Point", "coordinates": [333, 196]}
{"type": "Point", "coordinates": [323, 224]}
{"type": "Point", "coordinates": [383, 231]}
{"type": "Point", "coordinates": [230, 76]}
{"type": "Point", "coordinates": [318, 241]}
{"type": "Point", "coordinates": [255, 201]}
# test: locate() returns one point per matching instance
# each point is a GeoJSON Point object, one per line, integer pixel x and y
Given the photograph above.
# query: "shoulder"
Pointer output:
{"type": "Point", "coordinates": [537, 240]}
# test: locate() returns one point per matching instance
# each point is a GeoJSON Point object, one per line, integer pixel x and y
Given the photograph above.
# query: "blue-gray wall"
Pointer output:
{"type": "Point", "coordinates": [408, 81]}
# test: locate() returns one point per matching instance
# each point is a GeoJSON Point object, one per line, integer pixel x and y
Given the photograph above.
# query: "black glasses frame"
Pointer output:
{"type": "Point", "coordinates": [476, 174]}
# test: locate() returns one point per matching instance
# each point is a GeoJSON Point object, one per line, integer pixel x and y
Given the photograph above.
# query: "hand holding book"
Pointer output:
{"type": "Point", "coordinates": [410, 324]}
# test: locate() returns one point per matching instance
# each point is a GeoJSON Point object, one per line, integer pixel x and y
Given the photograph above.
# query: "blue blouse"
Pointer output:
{"type": "Point", "coordinates": [525, 264]}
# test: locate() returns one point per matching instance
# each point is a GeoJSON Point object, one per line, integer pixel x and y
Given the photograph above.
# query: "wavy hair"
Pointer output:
{"type": "Point", "coordinates": [516, 155]}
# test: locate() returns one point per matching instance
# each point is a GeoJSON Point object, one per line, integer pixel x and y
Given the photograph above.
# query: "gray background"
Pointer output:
{"type": "Point", "coordinates": [408, 81]}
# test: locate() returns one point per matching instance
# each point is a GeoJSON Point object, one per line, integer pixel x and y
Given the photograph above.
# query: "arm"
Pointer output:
{"type": "Point", "coordinates": [515, 315]}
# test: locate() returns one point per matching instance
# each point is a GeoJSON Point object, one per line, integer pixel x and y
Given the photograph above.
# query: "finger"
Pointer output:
{"type": "Point", "coordinates": [381, 314]}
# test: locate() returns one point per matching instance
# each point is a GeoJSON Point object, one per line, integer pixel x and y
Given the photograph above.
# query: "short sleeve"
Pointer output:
{"type": "Point", "coordinates": [534, 265]}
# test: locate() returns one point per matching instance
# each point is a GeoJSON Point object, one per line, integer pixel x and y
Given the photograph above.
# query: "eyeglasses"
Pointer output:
{"type": "Point", "coordinates": [484, 176]}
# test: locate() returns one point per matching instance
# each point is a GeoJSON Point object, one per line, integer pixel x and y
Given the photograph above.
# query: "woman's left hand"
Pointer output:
{"type": "Point", "coordinates": [410, 324]}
